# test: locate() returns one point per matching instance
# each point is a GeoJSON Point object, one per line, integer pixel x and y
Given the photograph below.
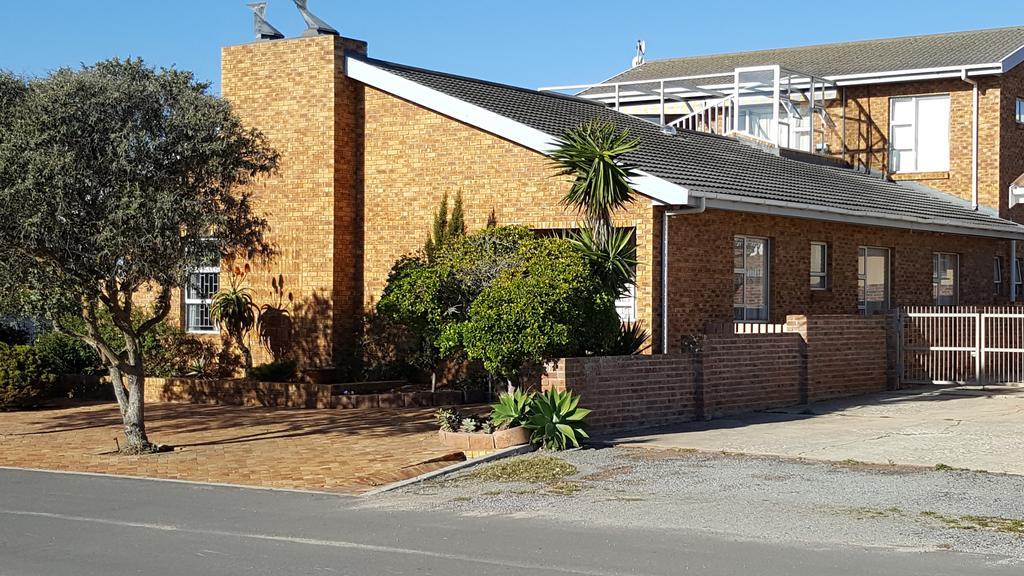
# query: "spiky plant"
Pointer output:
{"type": "Point", "coordinates": [592, 154]}
{"type": "Point", "coordinates": [234, 309]}
{"type": "Point", "coordinates": [614, 261]}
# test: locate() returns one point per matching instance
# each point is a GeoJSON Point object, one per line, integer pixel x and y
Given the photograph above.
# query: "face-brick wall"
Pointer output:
{"type": "Point", "coordinates": [414, 156]}
{"type": "Point", "coordinates": [294, 91]}
{"type": "Point", "coordinates": [1011, 151]}
{"type": "Point", "coordinates": [816, 358]}
{"type": "Point", "coordinates": [867, 133]}
{"type": "Point", "coordinates": [701, 266]}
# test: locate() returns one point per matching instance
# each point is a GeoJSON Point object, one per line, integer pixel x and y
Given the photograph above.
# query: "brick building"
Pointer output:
{"type": "Point", "coordinates": [740, 216]}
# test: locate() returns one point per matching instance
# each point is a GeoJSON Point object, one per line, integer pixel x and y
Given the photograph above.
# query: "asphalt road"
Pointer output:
{"type": "Point", "coordinates": [54, 524]}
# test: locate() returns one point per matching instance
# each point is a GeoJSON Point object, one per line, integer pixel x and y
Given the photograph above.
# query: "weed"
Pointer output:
{"type": "Point", "coordinates": [532, 469]}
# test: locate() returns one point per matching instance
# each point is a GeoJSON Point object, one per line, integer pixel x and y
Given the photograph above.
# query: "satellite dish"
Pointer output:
{"type": "Point", "coordinates": [641, 49]}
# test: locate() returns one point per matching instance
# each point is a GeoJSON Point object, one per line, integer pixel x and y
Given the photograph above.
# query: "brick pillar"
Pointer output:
{"type": "Point", "coordinates": [295, 92]}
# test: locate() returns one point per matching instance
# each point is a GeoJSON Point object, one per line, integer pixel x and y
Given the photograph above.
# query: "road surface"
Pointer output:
{"type": "Point", "coordinates": [55, 524]}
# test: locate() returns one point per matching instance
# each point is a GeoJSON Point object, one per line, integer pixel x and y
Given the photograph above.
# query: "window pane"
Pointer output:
{"type": "Point", "coordinates": [997, 269]}
{"type": "Point", "coordinates": [818, 258]}
{"type": "Point", "coordinates": [903, 110]}
{"type": "Point", "coordinates": [903, 161]}
{"type": "Point", "coordinates": [933, 134]}
{"type": "Point", "coordinates": [737, 253]}
{"type": "Point", "coordinates": [197, 317]}
{"type": "Point", "coordinates": [944, 283]}
{"type": "Point", "coordinates": [902, 137]}
{"type": "Point", "coordinates": [756, 284]}
{"type": "Point", "coordinates": [874, 280]}
{"type": "Point", "coordinates": [737, 296]}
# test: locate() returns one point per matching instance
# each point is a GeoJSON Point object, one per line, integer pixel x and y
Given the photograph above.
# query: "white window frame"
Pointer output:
{"type": "Point", "coordinates": [861, 302]}
{"type": "Point", "coordinates": [1018, 279]}
{"type": "Point", "coordinates": [187, 301]}
{"type": "Point", "coordinates": [1020, 111]}
{"type": "Point", "coordinates": [936, 278]}
{"type": "Point", "coordinates": [914, 126]}
{"type": "Point", "coordinates": [824, 272]}
{"type": "Point", "coordinates": [997, 273]}
{"type": "Point", "coordinates": [766, 281]}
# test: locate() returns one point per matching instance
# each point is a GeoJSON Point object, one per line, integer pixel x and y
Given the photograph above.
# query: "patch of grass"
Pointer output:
{"type": "Point", "coordinates": [462, 499]}
{"type": "Point", "coordinates": [532, 469]}
{"type": "Point", "coordinates": [970, 522]}
{"type": "Point", "coordinates": [940, 467]}
{"type": "Point", "coordinates": [564, 488]}
{"type": "Point", "coordinates": [870, 513]}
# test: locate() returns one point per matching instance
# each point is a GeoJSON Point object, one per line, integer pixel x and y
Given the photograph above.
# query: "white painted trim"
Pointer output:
{"type": "Point", "coordinates": [1012, 59]}
{"type": "Point", "coordinates": [658, 189]}
{"type": "Point", "coordinates": [794, 210]}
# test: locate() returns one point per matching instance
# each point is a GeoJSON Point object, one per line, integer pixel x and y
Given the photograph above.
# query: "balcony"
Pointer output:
{"type": "Point", "coordinates": [770, 104]}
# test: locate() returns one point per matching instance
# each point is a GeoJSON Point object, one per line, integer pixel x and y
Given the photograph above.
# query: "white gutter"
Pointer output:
{"type": "Point", "coordinates": [974, 137]}
{"type": "Point", "coordinates": [664, 264]}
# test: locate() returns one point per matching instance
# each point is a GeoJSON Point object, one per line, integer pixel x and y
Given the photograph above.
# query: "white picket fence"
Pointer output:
{"type": "Point", "coordinates": [960, 345]}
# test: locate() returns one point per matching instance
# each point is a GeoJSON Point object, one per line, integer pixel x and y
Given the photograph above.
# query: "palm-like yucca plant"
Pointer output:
{"type": "Point", "coordinates": [556, 421]}
{"type": "Point", "coordinates": [614, 261]}
{"type": "Point", "coordinates": [592, 155]}
{"type": "Point", "coordinates": [235, 310]}
{"type": "Point", "coordinates": [512, 409]}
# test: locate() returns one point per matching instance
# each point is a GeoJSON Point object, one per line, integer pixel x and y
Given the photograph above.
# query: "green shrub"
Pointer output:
{"type": "Point", "coordinates": [23, 379]}
{"type": "Point", "coordinates": [64, 354]}
{"type": "Point", "coordinates": [549, 305]}
{"type": "Point", "coordinates": [276, 371]}
{"type": "Point", "coordinates": [511, 409]}
{"type": "Point", "coordinates": [556, 421]}
{"type": "Point", "coordinates": [631, 339]}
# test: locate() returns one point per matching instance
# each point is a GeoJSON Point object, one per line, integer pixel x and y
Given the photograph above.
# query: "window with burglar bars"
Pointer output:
{"type": "Point", "coordinates": [203, 283]}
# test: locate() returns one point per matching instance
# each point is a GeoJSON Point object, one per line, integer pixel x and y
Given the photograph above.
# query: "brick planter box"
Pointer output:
{"type": "Point", "coordinates": [480, 442]}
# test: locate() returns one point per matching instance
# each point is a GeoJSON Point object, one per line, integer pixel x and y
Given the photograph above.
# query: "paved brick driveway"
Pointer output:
{"type": "Point", "coordinates": [337, 450]}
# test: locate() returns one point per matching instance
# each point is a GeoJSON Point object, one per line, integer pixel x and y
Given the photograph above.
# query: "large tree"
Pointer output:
{"type": "Point", "coordinates": [117, 180]}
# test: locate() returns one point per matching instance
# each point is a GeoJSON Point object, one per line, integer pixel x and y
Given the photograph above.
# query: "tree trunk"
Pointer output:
{"type": "Point", "coordinates": [246, 353]}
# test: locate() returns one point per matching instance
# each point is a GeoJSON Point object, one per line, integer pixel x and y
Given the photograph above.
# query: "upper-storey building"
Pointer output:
{"type": "Point", "coordinates": [943, 110]}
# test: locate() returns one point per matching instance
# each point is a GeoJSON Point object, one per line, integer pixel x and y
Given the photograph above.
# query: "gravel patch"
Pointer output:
{"type": "Point", "coordinates": [756, 498]}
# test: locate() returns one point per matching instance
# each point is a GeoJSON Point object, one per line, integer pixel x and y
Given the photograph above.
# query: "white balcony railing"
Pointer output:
{"type": "Point", "coordinates": [782, 107]}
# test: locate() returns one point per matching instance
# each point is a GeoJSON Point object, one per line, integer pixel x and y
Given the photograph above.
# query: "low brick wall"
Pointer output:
{"type": "Point", "coordinates": [238, 392]}
{"type": "Point", "coordinates": [809, 360]}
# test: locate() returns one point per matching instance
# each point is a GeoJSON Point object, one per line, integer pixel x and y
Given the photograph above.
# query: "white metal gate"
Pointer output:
{"type": "Point", "coordinates": [960, 345]}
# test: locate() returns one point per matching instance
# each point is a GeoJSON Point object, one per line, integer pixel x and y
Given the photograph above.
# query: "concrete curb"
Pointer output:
{"type": "Point", "coordinates": [458, 466]}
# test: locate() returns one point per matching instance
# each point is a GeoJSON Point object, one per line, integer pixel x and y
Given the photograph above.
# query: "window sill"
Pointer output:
{"type": "Point", "coordinates": [920, 176]}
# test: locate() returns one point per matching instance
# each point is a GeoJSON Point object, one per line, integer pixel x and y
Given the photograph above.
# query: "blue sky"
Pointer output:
{"type": "Point", "coordinates": [524, 42]}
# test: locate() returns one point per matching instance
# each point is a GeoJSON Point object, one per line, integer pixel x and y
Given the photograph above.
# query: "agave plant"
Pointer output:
{"type": "Point", "coordinates": [512, 409]}
{"type": "Point", "coordinates": [592, 155]}
{"type": "Point", "coordinates": [632, 339]}
{"type": "Point", "coordinates": [235, 310]}
{"type": "Point", "coordinates": [556, 421]}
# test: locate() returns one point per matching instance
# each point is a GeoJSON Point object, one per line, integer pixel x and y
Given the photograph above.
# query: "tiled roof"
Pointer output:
{"type": "Point", "coordinates": [708, 165]}
{"type": "Point", "coordinates": [865, 57]}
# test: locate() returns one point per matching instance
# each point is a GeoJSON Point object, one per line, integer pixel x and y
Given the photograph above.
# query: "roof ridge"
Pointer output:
{"type": "Point", "coordinates": [829, 44]}
{"type": "Point", "coordinates": [477, 80]}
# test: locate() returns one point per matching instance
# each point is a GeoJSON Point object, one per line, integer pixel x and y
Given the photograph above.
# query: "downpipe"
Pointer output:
{"type": "Point", "coordinates": [974, 137]}
{"type": "Point", "coordinates": [698, 209]}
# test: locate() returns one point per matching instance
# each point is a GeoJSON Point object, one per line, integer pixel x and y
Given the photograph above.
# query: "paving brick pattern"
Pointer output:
{"type": "Point", "coordinates": [346, 451]}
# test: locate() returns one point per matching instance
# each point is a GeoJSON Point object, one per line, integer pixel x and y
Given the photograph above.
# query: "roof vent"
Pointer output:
{"type": "Point", "coordinates": [669, 130]}
{"type": "Point", "coordinates": [641, 49]}
{"type": "Point", "coordinates": [263, 29]}
{"type": "Point", "coordinates": [317, 27]}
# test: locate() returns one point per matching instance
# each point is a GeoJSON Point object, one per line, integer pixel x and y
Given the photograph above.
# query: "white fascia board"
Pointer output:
{"type": "Point", "coordinates": [914, 78]}
{"type": "Point", "coordinates": [793, 210]}
{"type": "Point", "coordinates": [1013, 59]}
{"type": "Point", "coordinates": [655, 188]}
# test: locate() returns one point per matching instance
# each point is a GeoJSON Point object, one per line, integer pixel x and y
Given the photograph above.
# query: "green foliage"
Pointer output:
{"type": "Point", "coordinates": [512, 409]}
{"type": "Point", "coordinates": [548, 305]}
{"type": "Point", "coordinates": [276, 371]}
{"type": "Point", "coordinates": [592, 154]}
{"type": "Point", "coordinates": [556, 422]}
{"type": "Point", "coordinates": [447, 419]}
{"type": "Point", "coordinates": [446, 228]}
{"type": "Point", "coordinates": [24, 380]}
{"type": "Point", "coordinates": [632, 339]}
{"type": "Point", "coordinates": [13, 335]}
{"type": "Point", "coordinates": [64, 354]}
{"type": "Point", "coordinates": [613, 261]}
{"type": "Point", "coordinates": [532, 469]}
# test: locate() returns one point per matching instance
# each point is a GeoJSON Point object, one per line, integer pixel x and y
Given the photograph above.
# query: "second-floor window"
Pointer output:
{"type": "Point", "coordinates": [919, 134]}
{"type": "Point", "coordinates": [1020, 110]}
